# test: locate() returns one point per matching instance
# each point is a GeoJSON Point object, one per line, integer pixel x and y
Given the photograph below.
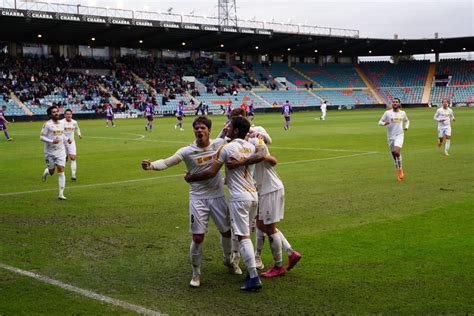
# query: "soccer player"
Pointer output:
{"type": "Point", "coordinates": [243, 197]}
{"type": "Point", "coordinates": [4, 122]}
{"type": "Point", "coordinates": [149, 110]}
{"type": "Point", "coordinates": [251, 111]}
{"type": "Point", "coordinates": [228, 109]}
{"type": "Point", "coordinates": [324, 107]}
{"type": "Point", "coordinates": [271, 200]}
{"type": "Point", "coordinates": [397, 122]}
{"type": "Point", "coordinates": [179, 115]}
{"type": "Point", "coordinates": [71, 126]}
{"type": "Point", "coordinates": [286, 110]}
{"type": "Point", "coordinates": [109, 116]}
{"type": "Point", "coordinates": [444, 116]}
{"type": "Point", "coordinates": [206, 197]}
{"type": "Point", "coordinates": [52, 134]}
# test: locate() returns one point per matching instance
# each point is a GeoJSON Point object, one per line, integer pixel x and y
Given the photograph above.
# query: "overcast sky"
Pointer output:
{"type": "Point", "coordinates": [373, 18]}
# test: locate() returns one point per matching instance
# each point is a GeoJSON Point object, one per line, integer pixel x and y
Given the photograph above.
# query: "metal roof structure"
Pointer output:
{"type": "Point", "coordinates": [48, 23]}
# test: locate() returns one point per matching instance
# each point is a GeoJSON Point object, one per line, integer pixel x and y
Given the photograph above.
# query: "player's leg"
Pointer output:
{"type": "Point", "coordinates": [259, 242]}
{"type": "Point", "coordinates": [50, 166]}
{"type": "Point", "coordinates": [199, 218]}
{"type": "Point", "coordinates": [5, 132]}
{"type": "Point", "coordinates": [73, 159]}
{"type": "Point", "coordinates": [106, 122]}
{"type": "Point", "coordinates": [241, 212]}
{"type": "Point", "coordinates": [221, 217]}
{"type": "Point", "coordinates": [60, 163]}
{"type": "Point", "coordinates": [447, 144]}
{"type": "Point", "coordinates": [113, 122]}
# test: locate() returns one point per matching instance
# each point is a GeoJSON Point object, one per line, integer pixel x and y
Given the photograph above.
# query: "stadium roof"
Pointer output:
{"type": "Point", "coordinates": [25, 26]}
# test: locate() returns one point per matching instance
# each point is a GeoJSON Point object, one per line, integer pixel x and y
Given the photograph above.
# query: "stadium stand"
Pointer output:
{"type": "Point", "coordinates": [332, 75]}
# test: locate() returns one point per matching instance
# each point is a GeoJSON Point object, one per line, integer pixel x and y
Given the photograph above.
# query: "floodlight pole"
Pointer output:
{"type": "Point", "coordinates": [227, 13]}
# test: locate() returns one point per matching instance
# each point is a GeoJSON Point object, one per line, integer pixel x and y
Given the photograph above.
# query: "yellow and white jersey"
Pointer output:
{"type": "Point", "coordinates": [397, 122]}
{"type": "Point", "coordinates": [49, 133]}
{"type": "Point", "coordinates": [70, 128]}
{"type": "Point", "coordinates": [198, 159]}
{"type": "Point", "coordinates": [239, 180]}
{"type": "Point", "coordinates": [444, 117]}
{"type": "Point", "coordinates": [265, 175]}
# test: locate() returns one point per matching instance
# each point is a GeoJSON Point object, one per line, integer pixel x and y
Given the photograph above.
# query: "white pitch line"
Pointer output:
{"type": "Point", "coordinates": [176, 175]}
{"type": "Point", "coordinates": [95, 184]}
{"type": "Point", "coordinates": [321, 149]}
{"type": "Point", "coordinates": [87, 293]}
{"type": "Point", "coordinates": [328, 158]}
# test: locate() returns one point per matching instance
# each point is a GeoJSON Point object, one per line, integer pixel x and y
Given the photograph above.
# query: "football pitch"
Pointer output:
{"type": "Point", "coordinates": [369, 243]}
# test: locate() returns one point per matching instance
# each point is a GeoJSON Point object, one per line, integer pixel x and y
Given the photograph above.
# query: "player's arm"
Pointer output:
{"type": "Point", "coordinates": [452, 116]}
{"type": "Point", "coordinates": [3, 119]}
{"type": "Point", "coordinates": [437, 117]}
{"type": "Point", "coordinates": [406, 122]}
{"type": "Point", "coordinates": [44, 136]}
{"type": "Point", "coordinates": [78, 130]}
{"type": "Point", "coordinates": [256, 157]}
{"type": "Point", "coordinates": [210, 172]}
{"type": "Point", "coordinates": [384, 120]}
{"type": "Point", "coordinates": [161, 164]}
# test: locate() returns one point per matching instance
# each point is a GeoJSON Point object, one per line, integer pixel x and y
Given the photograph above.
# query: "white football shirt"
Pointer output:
{"type": "Point", "coordinates": [198, 159]}
{"type": "Point", "coordinates": [398, 120]}
{"type": "Point", "coordinates": [239, 180]}
{"type": "Point", "coordinates": [70, 128]}
{"type": "Point", "coordinates": [52, 131]}
{"type": "Point", "coordinates": [444, 117]}
{"type": "Point", "coordinates": [265, 176]}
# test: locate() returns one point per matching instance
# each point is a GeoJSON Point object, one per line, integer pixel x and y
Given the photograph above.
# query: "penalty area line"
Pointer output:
{"type": "Point", "coordinates": [87, 293]}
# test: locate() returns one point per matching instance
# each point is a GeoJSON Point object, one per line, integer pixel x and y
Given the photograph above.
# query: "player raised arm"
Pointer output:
{"type": "Point", "coordinates": [161, 164]}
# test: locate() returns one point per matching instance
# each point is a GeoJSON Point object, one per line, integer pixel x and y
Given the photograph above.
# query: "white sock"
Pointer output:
{"type": "Point", "coordinates": [61, 182]}
{"type": "Point", "coordinates": [275, 246]}
{"type": "Point", "coordinates": [46, 172]}
{"type": "Point", "coordinates": [285, 244]}
{"type": "Point", "coordinates": [246, 249]}
{"type": "Point", "coordinates": [447, 145]}
{"type": "Point", "coordinates": [398, 162]}
{"type": "Point", "coordinates": [195, 253]}
{"type": "Point", "coordinates": [235, 246]}
{"type": "Point", "coordinates": [226, 248]}
{"type": "Point", "coordinates": [259, 242]}
{"type": "Point", "coordinates": [73, 168]}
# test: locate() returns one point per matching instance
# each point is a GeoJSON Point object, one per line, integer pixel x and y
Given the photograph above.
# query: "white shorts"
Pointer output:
{"type": "Point", "coordinates": [55, 160]}
{"type": "Point", "coordinates": [271, 207]}
{"type": "Point", "coordinates": [396, 142]}
{"type": "Point", "coordinates": [242, 214]}
{"type": "Point", "coordinates": [70, 148]}
{"type": "Point", "coordinates": [201, 209]}
{"type": "Point", "coordinates": [444, 131]}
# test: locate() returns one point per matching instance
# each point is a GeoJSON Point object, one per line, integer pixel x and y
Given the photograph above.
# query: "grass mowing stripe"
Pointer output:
{"type": "Point", "coordinates": [83, 292]}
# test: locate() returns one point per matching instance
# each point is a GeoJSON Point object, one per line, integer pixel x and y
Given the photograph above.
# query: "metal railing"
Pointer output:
{"type": "Point", "coordinates": [175, 18]}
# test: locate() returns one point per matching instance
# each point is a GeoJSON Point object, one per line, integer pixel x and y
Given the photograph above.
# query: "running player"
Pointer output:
{"type": "Point", "coordinates": [228, 109]}
{"type": "Point", "coordinates": [52, 134]}
{"type": "Point", "coordinates": [149, 111]}
{"type": "Point", "coordinates": [179, 115]}
{"type": "Point", "coordinates": [444, 116]}
{"type": "Point", "coordinates": [251, 111]}
{"type": "Point", "coordinates": [397, 122]}
{"type": "Point", "coordinates": [109, 116]}
{"type": "Point", "coordinates": [243, 197]}
{"type": "Point", "coordinates": [4, 122]}
{"type": "Point", "coordinates": [271, 208]}
{"type": "Point", "coordinates": [71, 126]}
{"type": "Point", "coordinates": [324, 107]}
{"type": "Point", "coordinates": [206, 197]}
{"type": "Point", "coordinates": [286, 110]}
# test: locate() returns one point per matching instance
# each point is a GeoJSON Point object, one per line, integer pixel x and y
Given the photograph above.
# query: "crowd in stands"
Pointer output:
{"type": "Point", "coordinates": [130, 83]}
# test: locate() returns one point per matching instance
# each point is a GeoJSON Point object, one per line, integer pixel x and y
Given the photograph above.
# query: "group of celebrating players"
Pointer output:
{"type": "Point", "coordinates": [256, 193]}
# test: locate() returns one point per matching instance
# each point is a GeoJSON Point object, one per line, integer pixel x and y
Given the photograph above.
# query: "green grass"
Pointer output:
{"type": "Point", "coordinates": [369, 243]}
